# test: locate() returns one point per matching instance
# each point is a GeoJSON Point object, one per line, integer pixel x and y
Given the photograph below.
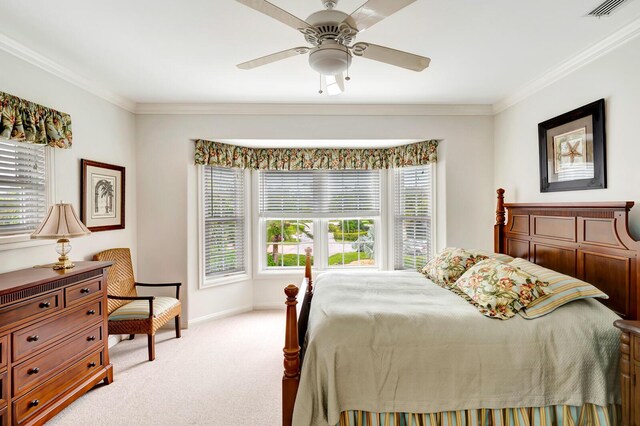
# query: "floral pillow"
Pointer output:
{"type": "Point", "coordinates": [500, 290]}
{"type": "Point", "coordinates": [449, 265]}
{"type": "Point", "coordinates": [504, 258]}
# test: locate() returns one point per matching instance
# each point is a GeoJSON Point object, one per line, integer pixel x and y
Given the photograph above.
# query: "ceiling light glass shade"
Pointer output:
{"type": "Point", "coordinates": [330, 59]}
{"type": "Point", "coordinates": [61, 223]}
{"type": "Point", "coordinates": [332, 86]}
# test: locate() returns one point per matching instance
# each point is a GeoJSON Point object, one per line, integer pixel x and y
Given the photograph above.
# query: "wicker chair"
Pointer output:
{"type": "Point", "coordinates": [132, 314]}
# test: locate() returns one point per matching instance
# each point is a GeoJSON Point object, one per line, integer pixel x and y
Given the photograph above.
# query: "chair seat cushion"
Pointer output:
{"type": "Point", "coordinates": [139, 309]}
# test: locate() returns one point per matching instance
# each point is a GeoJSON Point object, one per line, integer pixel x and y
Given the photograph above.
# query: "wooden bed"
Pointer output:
{"type": "Point", "coordinates": [589, 241]}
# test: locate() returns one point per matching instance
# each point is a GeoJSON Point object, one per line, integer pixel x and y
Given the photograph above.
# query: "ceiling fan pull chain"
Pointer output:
{"type": "Point", "coordinates": [320, 91]}
{"type": "Point", "coordinates": [347, 78]}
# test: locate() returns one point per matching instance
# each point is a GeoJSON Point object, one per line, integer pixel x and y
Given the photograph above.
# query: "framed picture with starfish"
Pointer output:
{"type": "Point", "coordinates": [572, 150]}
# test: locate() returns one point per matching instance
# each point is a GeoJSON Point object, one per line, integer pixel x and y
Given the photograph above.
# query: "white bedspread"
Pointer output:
{"type": "Point", "coordinates": [396, 342]}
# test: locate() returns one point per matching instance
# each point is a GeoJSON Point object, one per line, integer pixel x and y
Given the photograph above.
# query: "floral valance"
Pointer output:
{"type": "Point", "coordinates": [225, 155]}
{"type": "Point", "coordinates": [26, 121]}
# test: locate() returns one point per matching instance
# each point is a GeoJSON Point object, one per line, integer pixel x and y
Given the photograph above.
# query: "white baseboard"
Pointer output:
{"type": "Point", "coordinates": [270, 307]}
{"type": "Point", "coordinates": [221, 314]}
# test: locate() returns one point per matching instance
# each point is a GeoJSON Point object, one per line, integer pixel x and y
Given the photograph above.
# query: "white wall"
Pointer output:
{"type": "Point", "coordinates": [167, 188]}
{"type": "Point", "coordinates": [161, 196]}
{"type": "Point", "coordinates": [477, 154]}
{"type": "Point", "coordinates": [101, 132]}
{"type": "Point", "coordinates": [614, 77]}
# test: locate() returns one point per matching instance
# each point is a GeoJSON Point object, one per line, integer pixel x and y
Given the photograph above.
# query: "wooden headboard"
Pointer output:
{"type": "Point", "coordinates": [589, 241]}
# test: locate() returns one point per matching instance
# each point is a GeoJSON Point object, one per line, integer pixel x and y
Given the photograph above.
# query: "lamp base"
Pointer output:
{"type": "Point", "coordinates": [63, 263]}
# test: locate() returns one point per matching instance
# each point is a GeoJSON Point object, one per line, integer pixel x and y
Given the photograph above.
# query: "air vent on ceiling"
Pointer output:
{"type": "Point", "coordinates": [606, 8]}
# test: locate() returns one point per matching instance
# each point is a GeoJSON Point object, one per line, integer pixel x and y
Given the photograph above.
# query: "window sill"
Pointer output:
{"type": "Point", "coordinates": [218, 282]}
{"type": "Point", "coordinates": [14, 245]}
{"type": "Point", "coordinates": [299, 272]}
{"type": "Point", "coordinates": [353, 267]}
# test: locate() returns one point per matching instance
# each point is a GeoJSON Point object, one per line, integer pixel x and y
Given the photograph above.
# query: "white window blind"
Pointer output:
{"type": "Point", "coordinates": [320, 193]}
{"type": "Point", "coordinates": [23, 188]}
{"type": "Point", "coordinates": [413, 213]}
{"type": "Point", "coordinates": [224, 221]}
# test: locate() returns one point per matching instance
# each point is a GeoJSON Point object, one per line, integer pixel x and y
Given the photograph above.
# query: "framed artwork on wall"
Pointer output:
{"type": "Point", "coordinates": [102, 196]}
{"type": "Point", "coordinates": [572, 150]}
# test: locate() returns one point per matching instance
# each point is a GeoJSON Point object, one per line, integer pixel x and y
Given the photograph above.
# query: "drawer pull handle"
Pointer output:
{"type": "Point", "coordinates": [34, 403]}
{"type": "Point", "coordinates": [91, 338]}
{"type": "Point", "coordinates": [92, 364]}
{"type": "Point", "coordinates": [84, 290]}
{"type": "Point", "coordinates": [91, 312]}
{"type": "Point", "coordinates": [34, 370]}
{"type": "Point", "coordinates": [33, 338]}
{"type": "Point", "coordinates": [45, 305]}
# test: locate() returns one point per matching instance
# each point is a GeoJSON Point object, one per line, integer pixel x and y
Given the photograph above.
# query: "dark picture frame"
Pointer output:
{"type": "Point", "coordinates": [102, 196]}
{"type": "Point", "coordinates": [572, 150]}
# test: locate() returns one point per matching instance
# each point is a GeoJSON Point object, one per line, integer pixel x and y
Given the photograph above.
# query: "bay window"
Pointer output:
{"type": "Point", "coordinates": [380, 219]}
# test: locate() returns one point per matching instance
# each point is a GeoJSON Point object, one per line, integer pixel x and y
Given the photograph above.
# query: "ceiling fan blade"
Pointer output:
{"type": "Point", "coordinates": [276, 13]}
{"type": "Point", "coordinates": [391, 56]}
{"type": "Point", "coordinates": [273, 58]}
{"type": "Point", "coordinates": [375, 11]}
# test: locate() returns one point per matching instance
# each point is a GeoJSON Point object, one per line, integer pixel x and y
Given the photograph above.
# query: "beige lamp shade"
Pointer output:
{"type": "Point", "coordinates": [61, 221]}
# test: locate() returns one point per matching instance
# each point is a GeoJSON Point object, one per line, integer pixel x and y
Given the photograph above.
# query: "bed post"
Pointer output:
{"type": "Point", "coordinates": [303, 319]}
{"type": "Point", "coordinates": [307, 270]}
{"type": "Point", "coordinates": [498, 229]}
{"type": "Point", "coordinates": [291, 351]}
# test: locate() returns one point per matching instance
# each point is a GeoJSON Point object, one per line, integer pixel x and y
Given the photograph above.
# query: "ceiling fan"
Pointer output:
{"type": "Point", "coordinates": [331, 34]}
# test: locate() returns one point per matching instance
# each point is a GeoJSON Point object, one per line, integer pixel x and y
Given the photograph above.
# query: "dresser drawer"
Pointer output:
{"type": "Point", "coordinates": [33, 338]}
{"type": "Point", "coordinates": [81, 292]}
{"type": "Point", "coordinates": [39, 368]}
{"type": "Point", "coordinates": [4, 351]}
{"type": "Point", "coordinates": [30, 309]}
{"type": "Point", "coordinates": [636, 347]}
{"type": "Point", "coordinates": [39, 398]}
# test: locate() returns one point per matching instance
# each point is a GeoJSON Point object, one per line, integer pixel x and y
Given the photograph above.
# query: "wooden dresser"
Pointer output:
{"type": "Point", "coordinates": [53, 340]}
{"type": "Point", "coordinates": [629, 371]}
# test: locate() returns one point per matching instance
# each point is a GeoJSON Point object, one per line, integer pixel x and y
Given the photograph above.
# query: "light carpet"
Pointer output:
{"type": "Point", "coordinates": [221, 372]}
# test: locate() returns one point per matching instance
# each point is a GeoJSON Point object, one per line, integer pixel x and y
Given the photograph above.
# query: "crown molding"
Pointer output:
{"type": "Point", "coordinates": [612, 42]}
{"type": "Point", "coordinates": [315, 109]}
{"type": "Point", "coordinates": [21, 51]}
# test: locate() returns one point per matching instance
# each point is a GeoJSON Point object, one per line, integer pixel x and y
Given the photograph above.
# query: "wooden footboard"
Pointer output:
{"type": "Point", "coordinates": [296, 329]}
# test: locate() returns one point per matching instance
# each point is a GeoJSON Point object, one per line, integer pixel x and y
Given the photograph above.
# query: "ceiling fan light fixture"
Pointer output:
{"type": "Point", "coordinates": [330, 59]}
{"type": "Point", "coordinates": [333, 88]}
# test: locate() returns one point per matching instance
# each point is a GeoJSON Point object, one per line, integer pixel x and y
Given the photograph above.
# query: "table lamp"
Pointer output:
{"type": "Point", "coordinates": [61, 223]}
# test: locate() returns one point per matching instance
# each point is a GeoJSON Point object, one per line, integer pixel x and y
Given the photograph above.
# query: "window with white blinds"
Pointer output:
{"type": "Point", "coordinates": [337, 208]}
{"type": "Point", "coordinates": [224, 221]}
{"type": "Point", "coordinates": [320, 193]}
{"type": "Point", "coordinates": [413, 216]}
{"type": "Point", "coordinates": [23, 187]}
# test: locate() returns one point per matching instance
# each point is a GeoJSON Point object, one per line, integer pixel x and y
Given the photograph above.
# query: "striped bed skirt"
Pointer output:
{"type": "Point", "coordinates": [558, 415]}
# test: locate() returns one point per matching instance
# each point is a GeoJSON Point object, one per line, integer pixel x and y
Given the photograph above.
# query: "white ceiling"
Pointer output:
{"type": "Point", "coordinates": [157, 51]}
